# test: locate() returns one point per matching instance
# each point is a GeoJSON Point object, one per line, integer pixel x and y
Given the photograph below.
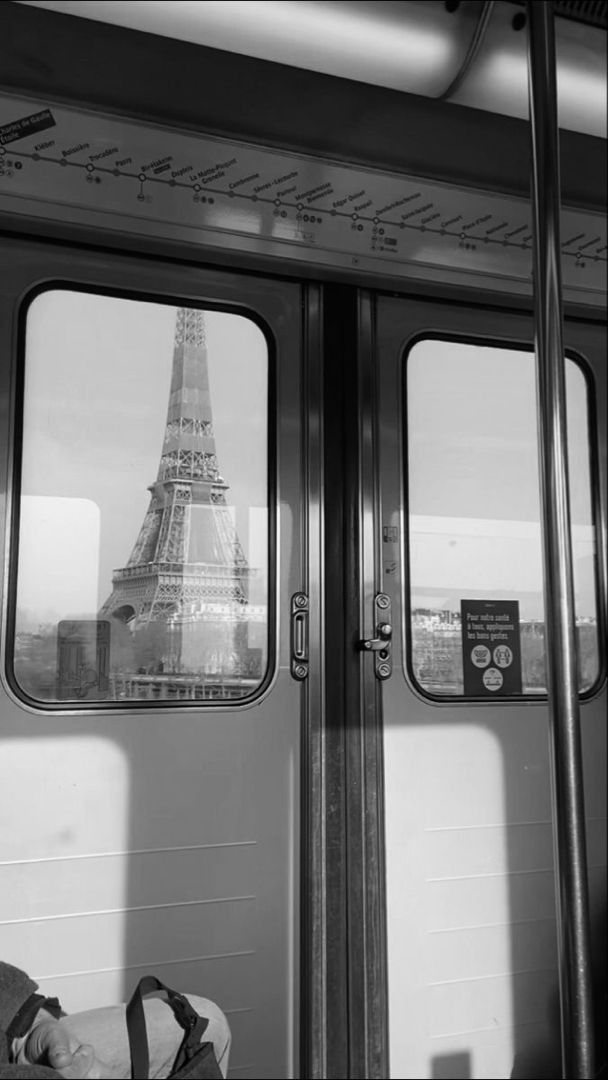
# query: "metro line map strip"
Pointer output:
{"type": "Point", "coordinates": [311, 204]}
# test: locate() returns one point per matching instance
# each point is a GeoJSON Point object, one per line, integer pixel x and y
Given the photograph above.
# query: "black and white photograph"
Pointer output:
{"type": "Point", "coordinates": [303, 540]}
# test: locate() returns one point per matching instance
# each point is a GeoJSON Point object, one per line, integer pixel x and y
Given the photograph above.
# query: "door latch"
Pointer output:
{"type": "Point", "coordinates": [381, 644]}
{"type": "Point", "coordinates": [299, 636]}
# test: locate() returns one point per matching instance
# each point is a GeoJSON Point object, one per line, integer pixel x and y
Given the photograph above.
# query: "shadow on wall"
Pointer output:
{"type": "Point", "coordinates": [542, 1058]}
{"type": "Point", "coordinates": [489, 890]}
{"type": "Point", "coordinates": [455, 1066]}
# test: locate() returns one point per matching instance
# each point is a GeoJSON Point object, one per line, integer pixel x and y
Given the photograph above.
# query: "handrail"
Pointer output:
{"type": "Point", "coordinates": [562, 677]}
{"type": "Point", "coordinates": [475, 44]}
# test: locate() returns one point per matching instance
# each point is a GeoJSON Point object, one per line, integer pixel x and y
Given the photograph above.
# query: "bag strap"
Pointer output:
{"type": "Point", "coordinates": [24, 1018]}
{"type": "Point", "coordinates": [187, 1017]}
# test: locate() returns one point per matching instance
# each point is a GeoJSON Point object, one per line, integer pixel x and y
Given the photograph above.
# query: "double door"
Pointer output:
{"type": "Point", "coordinates": [248, 742]}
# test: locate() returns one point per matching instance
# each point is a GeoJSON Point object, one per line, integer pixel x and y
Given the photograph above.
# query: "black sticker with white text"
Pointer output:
{"type": "Point", "coordinates": [491, 652]}
{"type": "Point", "coordinates": [28, 125]}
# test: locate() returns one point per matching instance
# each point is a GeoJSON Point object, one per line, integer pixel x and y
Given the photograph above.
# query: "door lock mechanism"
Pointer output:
{"type": "Point", "coordinates": [385, 632]}
{"type": "Point", "coordinates": [381, 644]}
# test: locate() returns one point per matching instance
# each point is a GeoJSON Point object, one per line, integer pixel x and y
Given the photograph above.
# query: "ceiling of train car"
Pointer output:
{"type": "Point", "coordinates": [473, 53]}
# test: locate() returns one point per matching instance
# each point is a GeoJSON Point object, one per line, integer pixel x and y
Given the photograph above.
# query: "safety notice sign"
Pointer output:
{"type": "Point", "coordinates": [491, 651]}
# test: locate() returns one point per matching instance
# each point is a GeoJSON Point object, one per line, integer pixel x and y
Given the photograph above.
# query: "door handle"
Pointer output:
{"type": "Point", "coordinates": [381, 645]}
{"type": "Point", "coordinates": [299, 636]}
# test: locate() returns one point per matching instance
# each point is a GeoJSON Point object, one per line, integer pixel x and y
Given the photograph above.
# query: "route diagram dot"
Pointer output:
{"type": "Point", "coordinates": [277, 202]}
{"type": "Point", "coordinates": [90, 168]}
{"type": "Point", "coordinates": [197, 187]}
{"type": "Point", "coordinates": [300, 207]}
{"type": "Point", "coordinates": [62, 162]}
{"type": "Point", "coordinates": [355, 217]}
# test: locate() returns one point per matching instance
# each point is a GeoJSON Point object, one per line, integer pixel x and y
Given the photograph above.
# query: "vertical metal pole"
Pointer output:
{"type": "Point", "coordinates": [562, 676]}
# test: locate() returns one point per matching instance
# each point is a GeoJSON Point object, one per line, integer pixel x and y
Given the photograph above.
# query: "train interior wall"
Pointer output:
{"type": "Point", "coordinates": [359, 870]}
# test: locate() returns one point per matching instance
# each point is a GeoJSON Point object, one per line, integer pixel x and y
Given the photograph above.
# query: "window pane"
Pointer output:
{"type": "Point", "coordinates": [143, 540]}
{"type": "Point", "coordinates": [474, 506]}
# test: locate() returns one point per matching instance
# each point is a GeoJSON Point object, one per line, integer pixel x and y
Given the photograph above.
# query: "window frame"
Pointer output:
{"type": "Point", "coordinates": [202, 303]}
{"type": "Point", "coordinates": [512, 345]}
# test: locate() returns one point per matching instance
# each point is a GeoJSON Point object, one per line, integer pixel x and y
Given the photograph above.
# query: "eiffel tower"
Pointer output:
{"type": "Point", "coordinates": [187, 569]}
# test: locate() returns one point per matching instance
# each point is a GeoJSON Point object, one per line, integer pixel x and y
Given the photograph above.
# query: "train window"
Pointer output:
{"type": "Point", "coordinates": [474, 509]}
{"type": "Point", "coordinates": [143, 566]}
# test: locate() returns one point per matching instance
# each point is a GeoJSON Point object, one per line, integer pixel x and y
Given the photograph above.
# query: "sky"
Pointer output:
{"type": "Point", "coordinates": [473, 483]}
{"type": "Point", "coordinates": [97, 381]}
{"type": "Point", "coordinates": [97, 376]}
